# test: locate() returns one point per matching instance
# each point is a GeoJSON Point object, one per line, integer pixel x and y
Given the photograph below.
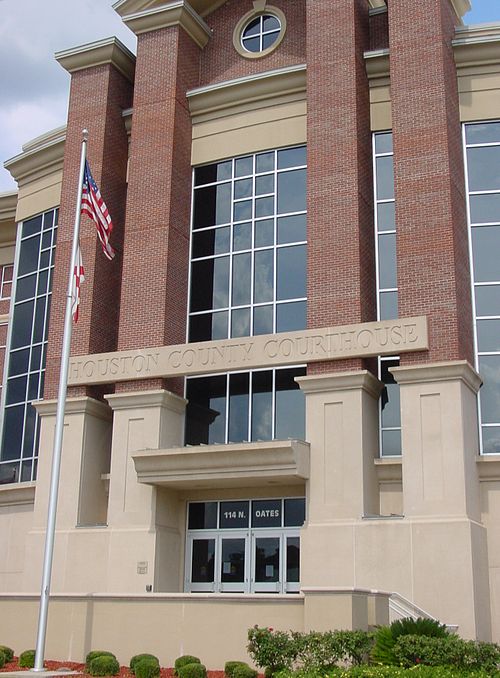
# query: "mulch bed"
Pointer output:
{"type": "Point", "coordinates": [76, 666]}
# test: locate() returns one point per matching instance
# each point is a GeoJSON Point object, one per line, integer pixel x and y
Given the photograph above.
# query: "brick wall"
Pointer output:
{"type": "Point", "coordinates": [156, 248]}
{"type": "Point", "coordinates": [220, 61]}
{"type": "Point", "coordinates": [97, 98]}
{"type": "Point", "coordinates": [379, 31]}
{"type": "Point", "coordinates": [341, 274]}
{"type": "Point", "coordinates": [433, 261]}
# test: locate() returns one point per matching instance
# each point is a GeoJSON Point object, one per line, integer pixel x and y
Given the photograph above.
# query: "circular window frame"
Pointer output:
{"type": "Point", "coordinates": [246, 19]}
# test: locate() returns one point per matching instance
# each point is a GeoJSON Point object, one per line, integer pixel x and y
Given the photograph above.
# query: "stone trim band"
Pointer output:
{"type": "Point", "coordinates": [270, 350]}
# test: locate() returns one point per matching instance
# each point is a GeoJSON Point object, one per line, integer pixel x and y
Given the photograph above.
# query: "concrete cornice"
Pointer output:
{"type": "Point", "coordinates": [143, 399]}
{"type": "Point", "coordinates": [176, 13]}
{"type": "Point", "coordinates": [454, 370]}
{"type": "Point", "coordinates": [16, 494]}
{"type": "Point", "coordinates": [80, 405]}
{"type": "Point", "coordinates": [342, 381]}
{"type": "Point", "coordinates": [377, 63]}
{"type": "Point", "coordinates": [477, 45]}
{"type": "Point", "coordinates": [488, 466]}
{"type": "Point", "coordinates": [202, 7]}
{"type": "Point", "coordinates": [8, 205]}
{"type": "Point", "coordinates": [107, 51]}
{"type": "Point", "coordinates": [233, 465]}
{"type": "Point", "coordinates": [45, 154]}
{"type": "Point", "coordinates": [252, 88]}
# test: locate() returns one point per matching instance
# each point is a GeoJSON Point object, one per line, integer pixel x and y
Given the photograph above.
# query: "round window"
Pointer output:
{"type": "Point", "coordinates": [261, 33]}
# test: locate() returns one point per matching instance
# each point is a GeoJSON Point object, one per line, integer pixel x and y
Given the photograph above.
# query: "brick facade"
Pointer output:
{"type": "Point", "coordinates": [340, 191]}
{"type": "Point", "coordinates": [432, 249]}
{"type": "Point", "coordinates": [97, 98]}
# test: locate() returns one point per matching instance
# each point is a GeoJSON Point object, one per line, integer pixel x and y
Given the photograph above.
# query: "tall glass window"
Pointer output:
{"type": "Point", "coordinates": [482, 161]}
{"type": "Point", "coordinates": [248, 246]}
{"type": "Point", "coordinates": [248, 277]}
{"type": "Point", "coordinates": [27, 345]}
{"type": "Point", "coordinates": [387, 287]}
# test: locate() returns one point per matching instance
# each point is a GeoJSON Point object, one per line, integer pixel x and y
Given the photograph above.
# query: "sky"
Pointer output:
{"type": "Point", "coordinates": [34, 88]}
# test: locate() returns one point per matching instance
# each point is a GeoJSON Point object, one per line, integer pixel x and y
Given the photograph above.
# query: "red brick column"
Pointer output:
{"type": "Point", "coordinates": [341, 278]}
{"type": "Point", "coordinates": [433, 261]}
{"type": "Point", "coordinates": [156, 248]}
{"type": "Point", "coordinates": [98, 96]}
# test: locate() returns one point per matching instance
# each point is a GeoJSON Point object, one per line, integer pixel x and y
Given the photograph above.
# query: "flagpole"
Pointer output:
{"type": "Point", "coordinates": [58, 435]}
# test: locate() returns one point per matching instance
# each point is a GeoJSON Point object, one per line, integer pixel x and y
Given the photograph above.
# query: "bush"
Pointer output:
{"type": "Point", "coordinates": [9, 654]}
{"type": "Point", "coordinates": [448, 651]}
{"type": "Point", "coordinates": [365, 671]}
{"type": "Point", "coordinates": [271, 650]}
{"type": "Point", "coordinates": [137, 658]}
{"type": "Point", "coordinates": [3, 659]}
{"type": "Point", "coordinates": [183, 661]}
{"type": "Point", "coordinates": [147, 667]}
{"type": "Point", "coordinates": [230, 666]}
{"type": "Point", "coordinates": [195, 670]}
{"type": "Point", "coordinates": [27, 659]}
{"type": "Point", "coordinates": [386, 636]}
{"type": "Point", "coordinates": [104, 665]}
{"type": "Point", "coordinates": [244, 671]}
{"type": "Point", "coordinates": [323, 651]}
{"type": "Point", "coordinates": [96, 653]}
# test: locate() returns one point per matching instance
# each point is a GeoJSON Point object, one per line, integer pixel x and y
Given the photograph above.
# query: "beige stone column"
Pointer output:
{"type": "Point", "coordinates": [342, 429]}
{"type": "Point", "coordinates": [143, 520]}
{"type": "Point", "coordinates": [441, 493]}
{"type": "Point", "coordinates": [79, 562]}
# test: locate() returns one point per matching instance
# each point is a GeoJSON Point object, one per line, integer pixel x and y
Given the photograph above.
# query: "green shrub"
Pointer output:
{"type": "Point", "coordinates": [27, 659]}
{"type": "Point", "coordinates": [104, 665]}
{"type": "Point", "coordinates": [448, 651]}
{"type": "Point", "coordinates": [230, 666]}
{"type": "Point", "coordinates": [147, 667]}
{"type": "Point", "coordinates": [195, 670]}
{"type": "Point", "coordinates": [244, 671]}
{"type": "Point", "coordinates": [183, 661]}
{"type": "Point", "coordinates": [9, 654]}
{"type": "Point", "coordinates": [138, 657]}
{"type": "Point", "coordinates": [323, 651]}
{"type": "Point", "coordinates": [272, 650]}
{"type": "Point", "coordinates": [3, 659]}
{"type": "Point", "coordinates": [365, 671]}
{"type": "Point", "coordinates": [97, 653]}
{"type": "Point", "coordinates": [386, 636]}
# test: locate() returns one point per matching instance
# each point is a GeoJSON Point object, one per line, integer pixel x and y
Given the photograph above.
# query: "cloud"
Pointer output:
{"type": "Point", "coordinates": [34, 87]}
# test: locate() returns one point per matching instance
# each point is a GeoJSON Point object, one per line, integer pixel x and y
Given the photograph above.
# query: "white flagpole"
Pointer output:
{"type": "Point", "coordinates": [58, 436]}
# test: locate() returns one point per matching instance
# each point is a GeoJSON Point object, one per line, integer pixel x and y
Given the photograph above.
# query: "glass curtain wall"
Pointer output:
{"type": "Point", "coordinates": [482, 162]}
{"type": "Point", "coordinates": [26, 347]}
{"type": "Point", "coordinates": [248, 277]}
{"type": "Point", "coordinates": [387, 287]}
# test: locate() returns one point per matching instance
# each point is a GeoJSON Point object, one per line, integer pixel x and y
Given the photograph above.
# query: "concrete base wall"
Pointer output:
{"type": "Point", "coordinates": [212, 627]}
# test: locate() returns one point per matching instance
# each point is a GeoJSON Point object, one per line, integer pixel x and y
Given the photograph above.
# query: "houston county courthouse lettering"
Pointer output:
{"type": "Point", "coordinates": [284, 391]}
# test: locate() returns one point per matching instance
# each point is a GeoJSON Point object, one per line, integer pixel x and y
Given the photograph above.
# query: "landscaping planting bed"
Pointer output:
{"type": "Point", "coordinates": [80, 667]}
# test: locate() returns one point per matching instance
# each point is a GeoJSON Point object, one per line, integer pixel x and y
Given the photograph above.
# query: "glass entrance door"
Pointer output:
{"type": "Point", "coordinates": [233, 563]}
{"type": "Point", "coordinates": [266, 564]}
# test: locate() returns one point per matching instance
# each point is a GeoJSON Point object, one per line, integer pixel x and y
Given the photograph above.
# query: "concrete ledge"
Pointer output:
{"type": "Point", "coordinates": [17, 494]}
{"type": "Point", "coordinates": [234, 465]}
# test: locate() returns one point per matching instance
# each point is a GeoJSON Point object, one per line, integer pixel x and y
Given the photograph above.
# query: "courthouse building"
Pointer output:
{"type": "Point", "coordinates": [284, 391]}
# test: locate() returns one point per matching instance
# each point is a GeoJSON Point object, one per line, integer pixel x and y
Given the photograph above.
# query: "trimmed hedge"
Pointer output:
{"type": "Point", "coordinates": [8, 652]}
{"type": "Point", "coordinates": [449, 651]}
{"type": "Point", "coordinates": [3, 659]}
{"type": "Point", "coordinates": [195, 670]}
{"type": "Point", "coordinates": [244, 671]}
{"type": "Point", "coordinates": [104, 665]}
{"type": "Point", "coordinates": [96, 653]}
{"type": "Point", "coordinates": [27, 659]}
{"type": "Point", "coordinates": [138, 657]}
{"type": "Point", "coordinates": [147, 667]}
{"type": "Point", "coordinates": [183, 661]}
{"type": "Point", "coordinates": [230, 666]}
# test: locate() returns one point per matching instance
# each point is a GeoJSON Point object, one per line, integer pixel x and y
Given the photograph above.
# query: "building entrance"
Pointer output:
{"type": "Point", "coordinates": [244, 546]}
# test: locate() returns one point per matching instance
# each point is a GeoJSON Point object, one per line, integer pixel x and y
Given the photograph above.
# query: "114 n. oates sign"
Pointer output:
{"type": "Point", "coordinates": [390, 337]}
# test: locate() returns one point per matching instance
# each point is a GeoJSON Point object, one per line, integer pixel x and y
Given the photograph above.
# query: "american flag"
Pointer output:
{"type": "Point", "coordinates": [94, 206]}
{"type": "Point", "coordinates": [78, 278]}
